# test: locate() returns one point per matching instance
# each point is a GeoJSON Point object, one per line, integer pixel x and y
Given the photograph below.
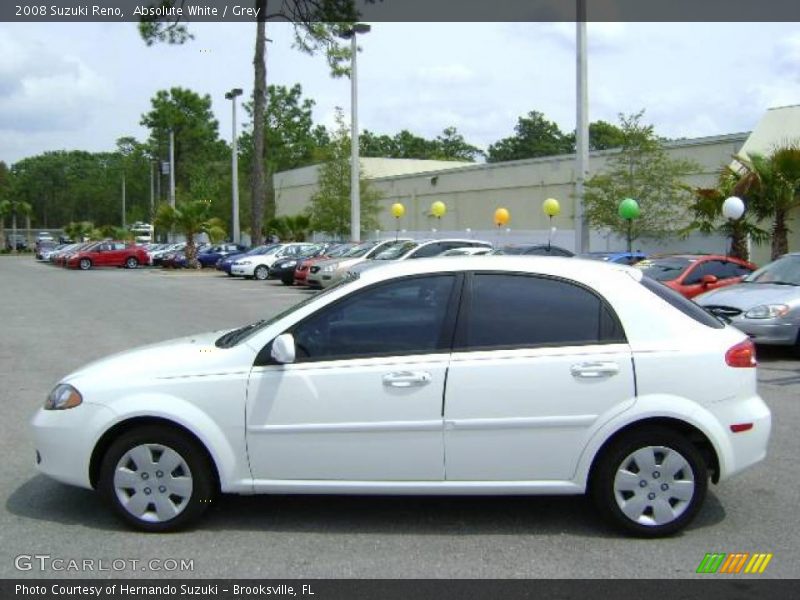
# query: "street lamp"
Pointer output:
{"type": "Point", "coordinates": [234, 165]}
{"type": "Point", "coordinates": [355, 199]}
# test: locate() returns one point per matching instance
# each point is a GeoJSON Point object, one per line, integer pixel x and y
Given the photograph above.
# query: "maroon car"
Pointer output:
{"type": "Point", "coordinates": [109, 254]}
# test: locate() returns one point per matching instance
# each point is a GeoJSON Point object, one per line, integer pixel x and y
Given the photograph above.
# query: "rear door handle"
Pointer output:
{"type": "Point", "coordinates": [594, 370]}
{"type": "Point", "coordinates": [404, 379]}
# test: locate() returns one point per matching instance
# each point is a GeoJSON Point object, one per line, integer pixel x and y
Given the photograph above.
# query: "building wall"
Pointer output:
{"type": "Point", "coordinates": [473, 192]}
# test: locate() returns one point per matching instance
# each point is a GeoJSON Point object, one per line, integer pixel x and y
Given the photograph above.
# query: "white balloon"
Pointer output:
{"type": "Point", "coordinates": [733, 208]}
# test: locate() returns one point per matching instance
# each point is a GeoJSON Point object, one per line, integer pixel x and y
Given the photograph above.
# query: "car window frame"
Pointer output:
{"type": "Point", "coordinates": [465, 309]}
{"type": "Point", "coordinates": [264, 356]}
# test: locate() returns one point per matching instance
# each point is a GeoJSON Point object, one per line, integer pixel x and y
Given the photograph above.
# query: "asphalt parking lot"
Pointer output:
{"type": "Point", "coordinates": [52, 321]}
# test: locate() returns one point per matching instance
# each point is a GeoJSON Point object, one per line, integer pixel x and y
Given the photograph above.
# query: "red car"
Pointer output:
{"type": "Point", "coordinates": [693, 274]}
{"type": "Point", "coordinates": [108, 254]}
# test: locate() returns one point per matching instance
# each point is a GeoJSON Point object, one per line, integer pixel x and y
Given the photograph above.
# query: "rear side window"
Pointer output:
{"type": "Point", "coordinates": [686, 306]}
{"type": "Point", "coordinates": [523, 311]}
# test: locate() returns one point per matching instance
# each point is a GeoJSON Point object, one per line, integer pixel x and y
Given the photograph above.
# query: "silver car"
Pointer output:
{"type": "Point", "coordinates": [765, 305]}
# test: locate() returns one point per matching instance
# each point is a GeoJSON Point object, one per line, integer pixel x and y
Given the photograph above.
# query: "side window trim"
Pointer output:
{"type": "Point", "coordinates": [465, 309]}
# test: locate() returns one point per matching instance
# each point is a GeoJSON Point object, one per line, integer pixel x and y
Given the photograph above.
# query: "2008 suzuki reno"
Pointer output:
{"type": "Point", "coordinates": [487, 375]}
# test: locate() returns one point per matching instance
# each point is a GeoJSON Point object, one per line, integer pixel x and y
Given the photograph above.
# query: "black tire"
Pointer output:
{"type": "Point", "coordinates": [287, 280]}
{"type": "Point", "coordinates": [131, 262]}
{"type": "Point", "coordinates": [261, 273]}
{"type": "Point", "coordinates": [655, 440]}
{"type": "Point", "coordinates": [85, 264]}
{"type": "Point", "coordinates": [204, 487]}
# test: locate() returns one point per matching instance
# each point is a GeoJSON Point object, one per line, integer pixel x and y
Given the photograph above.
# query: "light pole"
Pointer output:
{"type": "Point", "coordinates": [172, 168]}
{"type": "Point", "coordinates": [581, 130]}
{"type": "Point", "coordinates": [234, 164]}
{"type": "Point", "coordinates": [355, 198]}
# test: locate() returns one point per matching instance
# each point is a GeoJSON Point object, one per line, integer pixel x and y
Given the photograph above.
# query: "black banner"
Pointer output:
{"type": "Point", "coordinates": [713, 588]}
{"type": "Point", "coordinates": [407, 10]}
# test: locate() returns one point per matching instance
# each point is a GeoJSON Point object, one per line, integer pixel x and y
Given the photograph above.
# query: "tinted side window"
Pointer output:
{"type": "Point", "coordinates": [408, 316]}
{"type": "Point", "coordinates": [520, 311]}
{"type": "Point", "coordinates": [429, 250]}
{"type": "Point", "coordinates": [686, 306]}
{"type": "Point", "coordinates": [711, 267]}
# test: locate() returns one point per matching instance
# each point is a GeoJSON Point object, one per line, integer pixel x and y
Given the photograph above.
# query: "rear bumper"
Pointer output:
{"type": "Point", "coordinates": [745, 448]}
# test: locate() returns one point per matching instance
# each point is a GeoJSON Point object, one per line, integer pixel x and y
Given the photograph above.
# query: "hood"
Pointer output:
{"type": "Point", "coordinates": [745, 296]}
{"type": "Point", "coordinates": [194, 355]}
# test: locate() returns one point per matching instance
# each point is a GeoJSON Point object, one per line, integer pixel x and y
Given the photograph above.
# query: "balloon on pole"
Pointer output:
{"type": "Point", "coordinates": [732, 209]}
{"type": "Point", "coordinates": [438, 209]}
{"type": "Point", "coordinates": [629, 210]}
{"type": "Point", "coordinates": [552, 208]}
{"type": "Point", "coordinates": [502, 217]}
{"type": "Point", "coordinates": [398, 210]}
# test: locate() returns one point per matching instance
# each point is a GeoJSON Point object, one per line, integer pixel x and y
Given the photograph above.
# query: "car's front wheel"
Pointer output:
{"type": "Point", "coordinates": [261, 273]}
{"type": "Point", "coordinates": [650, 482]}
{"type": "Point", "coordinates": [157, 479]}
{"type": "Point", "coordinates": [85, 264]}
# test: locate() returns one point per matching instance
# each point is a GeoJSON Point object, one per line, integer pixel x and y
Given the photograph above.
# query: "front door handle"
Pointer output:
{"type": "Point", "coordinates": [404, 379]}
{"type": "Point", "coordinates": [594, 370]}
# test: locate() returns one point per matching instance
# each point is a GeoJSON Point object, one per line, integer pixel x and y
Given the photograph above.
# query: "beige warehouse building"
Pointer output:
{"type": "Point", "coordinates": [472, 192]}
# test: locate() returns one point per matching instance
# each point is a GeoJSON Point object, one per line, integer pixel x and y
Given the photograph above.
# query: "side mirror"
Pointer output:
{"type": "Point", "coordinates": [283, 349]}
{"type": "Point", "coordinates": [709, 279]}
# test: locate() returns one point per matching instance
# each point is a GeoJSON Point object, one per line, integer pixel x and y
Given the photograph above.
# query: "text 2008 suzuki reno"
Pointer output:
{"type": "Point", "coordinates": [487, 375]}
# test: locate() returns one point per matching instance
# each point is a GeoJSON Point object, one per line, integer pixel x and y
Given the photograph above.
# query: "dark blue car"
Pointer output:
{"type": "Point", "coordinates": [209, 256]}
{"type": "Point", "coordinates": [620, 258]}
{"type": "Point", "coordinates": [224, 264]}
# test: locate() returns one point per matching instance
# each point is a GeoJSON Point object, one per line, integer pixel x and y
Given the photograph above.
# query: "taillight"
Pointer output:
{"type": "Point", "coordinates": [742, 355]}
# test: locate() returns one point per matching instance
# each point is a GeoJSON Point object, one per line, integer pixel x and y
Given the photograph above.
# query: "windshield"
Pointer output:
{"type": "Point", "coordinates": [396, 250]}
{"type": "Point", "coordinates": [339, 251]}
{"type": "Point", "coordinates": [596, 256]}
{"type": "Point", "coordinates": [236, 336]}
{"type": "Point", "coordinates": [511, 250]}
{"type": "Point", "coordinates": [359, 251]}
{"type": "Point", "coordinates": [784, 271]}
{"type": "Point", "coordinates": [666, 269]}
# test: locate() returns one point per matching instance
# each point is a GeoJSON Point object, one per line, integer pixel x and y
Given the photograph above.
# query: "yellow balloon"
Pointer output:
{"type": "Point", "coordinates": [398, 210]}
{"type": "Point", "coordinates": [551, 207]}
{"type": "Point", "coordinates": [501, 216]}
{"type": "Point", "coordinates": [438, 209]}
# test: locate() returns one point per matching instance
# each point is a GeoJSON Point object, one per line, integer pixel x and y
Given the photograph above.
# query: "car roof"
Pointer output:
{"type": "Point", "coordinates": [556, 266]}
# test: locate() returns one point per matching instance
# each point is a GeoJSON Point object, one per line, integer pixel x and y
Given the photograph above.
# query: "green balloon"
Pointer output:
{"type": "Point", "coordinates": [629, 208]}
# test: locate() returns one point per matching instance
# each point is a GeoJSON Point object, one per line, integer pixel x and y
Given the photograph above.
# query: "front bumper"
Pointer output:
{"type": "Point", "coordinates": [64, 441]}
{"type": "Point", "coordinates": [768, 331]}
{"type": "Point", "coordinates": [242, 270]}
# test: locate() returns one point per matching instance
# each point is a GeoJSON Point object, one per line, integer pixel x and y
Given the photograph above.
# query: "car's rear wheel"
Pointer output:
{"type": "Point", "coordinates": [157, 479]}
{"type": "Point", "coordinates": [650, 482]}
{"type": "Point", "coordinates": [131, 262]}
{"type": "Point", "coordinates": [261, 273]}
{"type": "Point", "coordinates": [84, 264]}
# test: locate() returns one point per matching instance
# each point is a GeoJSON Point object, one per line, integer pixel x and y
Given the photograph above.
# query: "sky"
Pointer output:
{"type": "Point", "coordinates": [83, 85]}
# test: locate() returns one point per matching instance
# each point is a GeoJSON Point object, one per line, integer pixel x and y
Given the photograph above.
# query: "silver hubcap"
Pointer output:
{"type": "Point", "coordinates": [261, 273]}
{"type": "Point", "coordinates": [153, 482]}
{"type": "Point", "coordinates": [654, 485]}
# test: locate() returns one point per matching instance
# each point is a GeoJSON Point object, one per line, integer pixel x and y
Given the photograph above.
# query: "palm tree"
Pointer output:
{"type": "Point", "coordinates": [290, 229]}
{"type": "Point", "coordinates": [14, 207]}
{"type": "Point", "coordinates": [80, 231]}
{"type": "Point", "coordinates": [190, 219]}
{"type": "Point", "coordinates": [772, 185]}
{"type": "Point", "coordinates": [707, 215]}
{"type": "Point", "coordinates": [5, 210]}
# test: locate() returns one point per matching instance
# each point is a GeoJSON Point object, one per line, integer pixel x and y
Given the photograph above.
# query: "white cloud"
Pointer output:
{"type": "Point", "coordinates": [42, 89]}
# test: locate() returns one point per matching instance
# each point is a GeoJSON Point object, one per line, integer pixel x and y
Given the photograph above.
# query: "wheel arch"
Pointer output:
{"type": "Point", "coordinates": [690, 431]}
{"type": "Point", "coordinates": [118, 429]}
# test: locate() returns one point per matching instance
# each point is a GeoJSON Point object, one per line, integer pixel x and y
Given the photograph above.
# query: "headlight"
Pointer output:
{"type": "Point", "coordinates": [767, 311]}
{"type": "Point", "coordinates": [63, 396]}
{"type": "Point", "coordinates": [330, 268]}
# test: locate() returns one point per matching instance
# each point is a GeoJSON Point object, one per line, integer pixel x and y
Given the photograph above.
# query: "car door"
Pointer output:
{"type": "Point", "coordinates": [119, 253]}
{"type": "Point", "coordinates": [693, 280]}
{"type": "Point", "coordinates": [538, 363]}
{"type": "Point", "coordinates": [363, 399]}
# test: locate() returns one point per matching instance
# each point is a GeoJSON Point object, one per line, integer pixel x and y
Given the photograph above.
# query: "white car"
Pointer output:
{"type": "Point", "coordinates": [608, 383]}
{"type": "Point", "coordinates": [257, 266]}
